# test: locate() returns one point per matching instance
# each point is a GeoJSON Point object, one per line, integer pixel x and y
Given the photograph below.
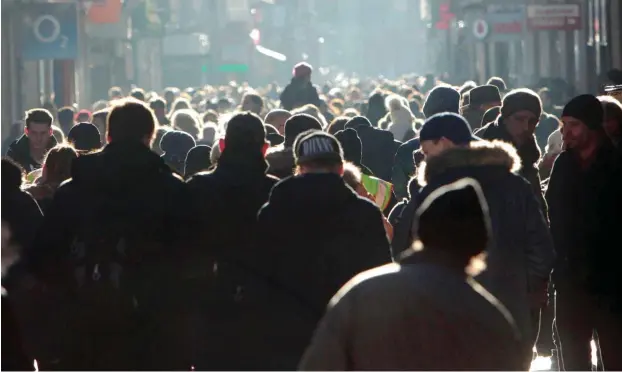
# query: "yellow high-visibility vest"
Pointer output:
{"type": "Point", "coordinates": [381, 190]}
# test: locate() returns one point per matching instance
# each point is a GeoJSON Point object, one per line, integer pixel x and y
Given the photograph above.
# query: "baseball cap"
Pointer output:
{"type": "Point", "coordinates": [315, 145]}
{"type": "Point", "coordinates": [449, 125]}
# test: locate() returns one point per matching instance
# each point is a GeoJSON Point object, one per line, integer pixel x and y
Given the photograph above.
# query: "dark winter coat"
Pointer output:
{"type": "Point", "coordinates": [316, 234]}
{"type": "Point", "coordinates": [404, 167]}
{"type": "Point", "coordinates": [281, 162]}
{"type": "Point", "coordinates": [401, 218]}
{"type": "Point", "coordinates": [14, 357]}
{"type": "Point", "coordinates": [22, 214]}
{"type": "Point", "coordinates": [142, 197]}
{"type": "Point", "coordinates": [414, 316]}
{"type": "Point", "coordinates": [299, 93]}
{"type": "Point", "coordinates": [585, 208]}
{"type": "Point", "coordinates": [529, 155]}
{"type": "Point", "coordinates": [379, 150]}
{"type": "Point", "coordinates": [19, 151]}
{"type": "Point", "coordinates": [521, 257]}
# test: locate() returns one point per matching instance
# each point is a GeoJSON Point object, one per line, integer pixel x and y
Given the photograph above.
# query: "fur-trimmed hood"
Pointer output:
{"type": "Point", "coordinates": [480, 153]}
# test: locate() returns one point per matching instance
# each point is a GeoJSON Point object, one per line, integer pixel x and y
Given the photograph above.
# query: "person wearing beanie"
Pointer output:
{"type": "Point", "coordinates": [432, 283]}
{"type": "Point", "coordinates": [85, 137]}
{"type": "Point", "coordinates": [315, 234]}
{"type": "Point", "coordinates": [300, 91]}
{"type": "Point", "coordinates": [521, 110]}
{"type": "Point", "coordinates": [281, 158]}
{"type": "Point", "coordinates": [197, 160]}
{"type": "Point", "coordinates": [175, 145]}
{"type": "Point", "coordinates": [480, 99]}
{"type": "Point", "coordinates": [379, 146]}
{"type": "Point", "coordinates": [352, 148]}
{"type": "Point", "coordinates": [585, 209]}
{"type": "Point", "coordinates": [440, 99]}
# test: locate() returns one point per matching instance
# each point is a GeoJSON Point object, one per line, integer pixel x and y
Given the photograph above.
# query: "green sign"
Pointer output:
{"type": "Point", "coordinates": [233, 68]}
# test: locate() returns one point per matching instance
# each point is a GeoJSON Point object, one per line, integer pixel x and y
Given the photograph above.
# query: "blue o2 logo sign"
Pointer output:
{"type": "Point", "coordinates": [50, 31]}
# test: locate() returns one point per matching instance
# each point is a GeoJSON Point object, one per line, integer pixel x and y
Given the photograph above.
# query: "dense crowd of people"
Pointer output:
{"type": "Point", "coordinates": [364, 224]}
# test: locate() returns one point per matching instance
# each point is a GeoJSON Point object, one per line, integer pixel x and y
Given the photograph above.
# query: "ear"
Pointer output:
{"type": "Point", "coordinates": [221, 144]}
{"type": "Point", "coordinates": [340, 170]}
{"type": "Point", "coordinates": [265, 148]}
{"type": "Point", "coordinates": [26, 131]}
{"type": "Point", "coordinates": [107, 139]}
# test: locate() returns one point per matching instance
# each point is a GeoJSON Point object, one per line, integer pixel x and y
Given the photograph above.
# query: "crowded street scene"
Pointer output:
{"type": "Point", "coordinates": [311, 185]}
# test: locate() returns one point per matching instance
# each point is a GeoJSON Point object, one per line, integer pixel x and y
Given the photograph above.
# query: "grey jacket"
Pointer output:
{"type": "Point", "coordinates": [417, 316]}
{"type": "Point", "coordinates": [521, 255]}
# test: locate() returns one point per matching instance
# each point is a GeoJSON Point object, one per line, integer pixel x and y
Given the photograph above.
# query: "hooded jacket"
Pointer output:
{"type": "Point", "coordinates": [19, 151]}
{"type": "Point", "coordinates": [299, 93]}
{"type": "Point", "coordinates": [521, 255]}
{"type": "Point", "coordinates": [375, 321]}
{"type": "Point", "coordinates": [379, 148]}
{"type": "Point", "coordinates": [316, 234]}
{"type": "Point", "coordinates": [126, 186]}
{"type": "Point", "coordinates": [529, 154]}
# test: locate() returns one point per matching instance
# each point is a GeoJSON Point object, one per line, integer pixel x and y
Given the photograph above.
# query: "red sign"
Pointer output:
{"type": "Point", "coordinates": [445, 17]}
{"type": "Point", "coordinates": [105, 11]}
{"type": "Point", "coordinates": [564, 17]}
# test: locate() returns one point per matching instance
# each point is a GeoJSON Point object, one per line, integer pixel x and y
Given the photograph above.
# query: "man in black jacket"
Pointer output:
{"type": "Point", "coordinates": [110, 250]}
{"type": "Point", "coordinates": [316, 233]}
{"type": "Point", "coordinates": [30, 149]}
{"type": "Point", "coordinates": [520, 113]}
{"type": "Point", "coordinates": [300, 91]}
{"type": "Point", "coordinates": [585, 209]}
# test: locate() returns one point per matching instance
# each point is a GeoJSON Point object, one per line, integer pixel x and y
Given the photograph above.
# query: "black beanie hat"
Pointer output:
{"type": "Point", "coordinates": [586, 108]}
{"type": "Point", "coordinates": [357, 122]}
{"type": "Point", "coordinates": [441, 99]}
{"type": "Point", "coordinates": [519, 100]}
{"type": "Point", "coordinates": [297, 124]}
{"type": "Point", "coordinates": [85, 137]}
{"type": "Point", "coordinates": [351, 144]}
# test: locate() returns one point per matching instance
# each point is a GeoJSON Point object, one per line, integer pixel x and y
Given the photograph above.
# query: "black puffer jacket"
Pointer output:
{"type": "Point", "coordinates": [379, 150]}
{"type": "Point", "coordinates": [299, 93]}
{"type": "Point", "coordinates": [316, 234]}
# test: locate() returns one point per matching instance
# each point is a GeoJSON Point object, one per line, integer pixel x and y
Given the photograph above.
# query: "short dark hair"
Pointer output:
{"type": "Point", "coordinates": [66, 116]}
{"type": "Point", "coordinates": [245, 130]}
{"type": "Point", "coordinates": [130, 119]}
{"type": "Point", "coordinates": [38, 115]}
{"type": "Point", "coordinates": [101, 114]}
{"type": "Point", "coordinates": [254, 98]}
{"type": "Point", "coordinates": [138, 93]}
{"type": "Point", "coordinates": [157, 103]}
{"type": "Point", "coordinates": [12, 174]}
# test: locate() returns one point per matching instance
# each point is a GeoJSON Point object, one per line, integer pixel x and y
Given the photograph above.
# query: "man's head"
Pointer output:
{"type": "Point", "coordinates": [115, 93]}
{"type": "Point", "coordinates": [520, 114]}
{"type": "Point", "coordinates": [158, 105]}
{"type": "Point", "coordinates": [85, 137]}
{"type": "Point", "coordinates": [99, 120]}
{"type": "Point", "coordinates": [444, 131]}
{"type": "Point", "coordinates": [582, 120]}
{"type": "Point", "coordinates": [38, 128]}
{"type": "Point", "coordinates": [484, 97]}
{"type": "Point", "coordinates": [303, 71]}
{"type": "Point", "coordinates": [441, 99]}
{"type": "Point", "coordinates": [613, 117]}
{"type": "Point", "coordinates": [130, 120]}
{"type": "Point", "coordinates": [66, 116]}
{"type": "Point", "coordinates": [138, 93]}
{"type": "Point", "coordinates": [245, 133]}
{"type": "Point", "coordinates": [252, 102]}
{"type": "Point", "coordinates": [298, 124]}
{"type": "Point", "coordinates": [459, 209]}
{"type": "Point", "coordinates": [497, 82]}
{"type": "Point", "coordinates": [277, 118]}
{"type": "Point", "coordinates": [351, 144]}
{"type": "Point", "coordinates": [318, 152]}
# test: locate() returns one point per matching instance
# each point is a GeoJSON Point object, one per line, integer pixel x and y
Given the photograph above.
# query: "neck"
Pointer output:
{"type": "Point", "coordinates": [442, 258]}
{"type": "Point", "coordinates": [37, 154]}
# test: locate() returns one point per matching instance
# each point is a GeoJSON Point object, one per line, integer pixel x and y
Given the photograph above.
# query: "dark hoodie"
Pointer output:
{"type": "Point", "coordinates": [128, 187]}
{"type": "Point", "coordinates": [314, 244]}
{"type": "Point", "coordinates": [19, 151]}
{"type": "Point", "coordinates": [299, 92]}
{"type": "Point", "coordinates": [529, 154]}
{"type": "Point", "coordinates": [379, 148]}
